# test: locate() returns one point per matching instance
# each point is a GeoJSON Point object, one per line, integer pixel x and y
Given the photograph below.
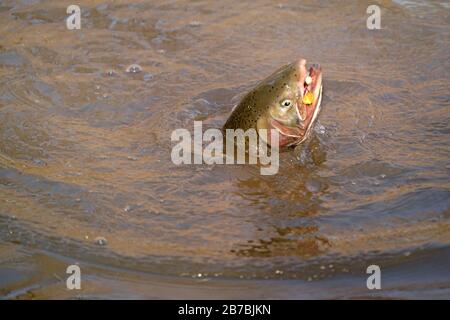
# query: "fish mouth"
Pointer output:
{"type": "Point", "coordinates": [310, 93]}
{"type": "Point", "coordinates": [307, 107]}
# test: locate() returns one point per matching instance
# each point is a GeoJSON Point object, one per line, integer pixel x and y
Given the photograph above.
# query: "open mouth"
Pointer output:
{"type": "Point", "coordinates": [310, 87]}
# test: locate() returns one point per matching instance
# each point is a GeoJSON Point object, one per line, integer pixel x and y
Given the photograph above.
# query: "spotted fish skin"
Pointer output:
{"type": "Point", "coordinates": [256, 103]}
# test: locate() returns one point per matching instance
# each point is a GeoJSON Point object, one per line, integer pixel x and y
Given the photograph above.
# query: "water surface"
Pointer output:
{"type": "Point", "coordinates": [85, 151]}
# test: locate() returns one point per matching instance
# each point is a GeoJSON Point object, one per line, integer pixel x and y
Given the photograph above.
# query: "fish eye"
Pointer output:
{"type": "Point", "coordinates": [286, 103]}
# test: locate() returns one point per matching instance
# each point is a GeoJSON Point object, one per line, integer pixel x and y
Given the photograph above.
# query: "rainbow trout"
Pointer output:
{"type": "Point", "coordinates": [287, 101]}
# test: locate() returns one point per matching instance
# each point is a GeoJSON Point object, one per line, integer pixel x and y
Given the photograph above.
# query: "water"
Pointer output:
{"type": "Point", "coordinates": [86, 175]}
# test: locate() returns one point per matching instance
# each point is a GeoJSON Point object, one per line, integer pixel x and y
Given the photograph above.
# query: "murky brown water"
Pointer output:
{"type": "Point", "coordinates": [85, 151]}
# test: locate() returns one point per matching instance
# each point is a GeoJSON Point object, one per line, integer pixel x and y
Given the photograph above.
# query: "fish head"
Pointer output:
{"type": "Point", "coordinates": [292, 96]}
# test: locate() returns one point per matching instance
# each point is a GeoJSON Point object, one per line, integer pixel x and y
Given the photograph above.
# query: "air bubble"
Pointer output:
{"type": "Point", "coordinates": [101, 241]}
{"type": "Point", "coordinates": [134, 68]}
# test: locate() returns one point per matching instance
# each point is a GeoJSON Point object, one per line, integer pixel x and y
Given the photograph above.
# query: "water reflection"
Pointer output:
{"type": "Point", "coordinates": [287, 206]}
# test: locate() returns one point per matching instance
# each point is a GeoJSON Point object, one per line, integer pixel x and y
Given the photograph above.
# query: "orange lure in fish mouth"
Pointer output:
{"type": "Point", "coordinates": [308, 104]}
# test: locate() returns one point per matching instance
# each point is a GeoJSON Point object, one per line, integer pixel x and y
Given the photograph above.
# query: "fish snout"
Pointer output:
{"type": "Point", "coordinates": [309, 85]}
